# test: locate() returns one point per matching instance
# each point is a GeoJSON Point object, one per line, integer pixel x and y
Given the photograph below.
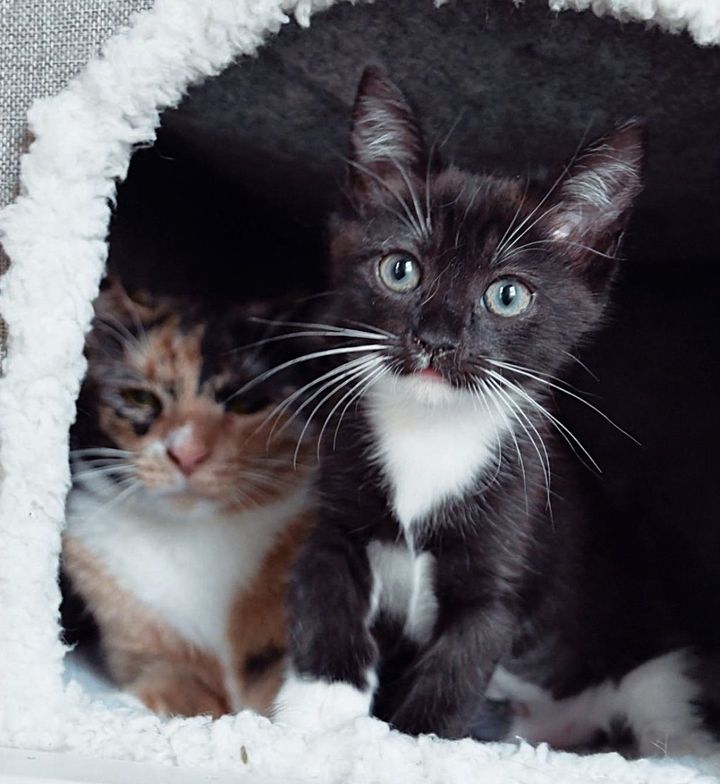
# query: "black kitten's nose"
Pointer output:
{"type": "Point", "coordinates": [439, 331]}
{"type": "Point", "coordinates": [433, 347]}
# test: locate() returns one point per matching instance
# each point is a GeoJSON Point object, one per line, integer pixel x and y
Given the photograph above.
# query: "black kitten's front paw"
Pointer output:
{"type": "Point", "coordinates": [489, 722]}
{"type": "Point", "coordinates": [492, 721]}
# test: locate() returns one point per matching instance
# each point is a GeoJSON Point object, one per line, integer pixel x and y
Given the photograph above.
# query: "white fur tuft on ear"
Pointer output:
{"type": "Point", "coordinates": [596, 195]}
{"type": "Point", "coordinates": [386, 136]}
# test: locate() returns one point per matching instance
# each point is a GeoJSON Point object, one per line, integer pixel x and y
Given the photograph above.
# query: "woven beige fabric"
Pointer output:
{"type": "Point", "coordinates": [43, 44]}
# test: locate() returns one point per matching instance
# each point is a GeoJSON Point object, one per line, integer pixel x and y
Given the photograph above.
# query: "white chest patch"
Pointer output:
{"type": "Point", "coordinates": [187, 569]}
{"type": "Point", "coordinates": [403, 587]}
{"type": "Point", "coordinates": [432, 444]}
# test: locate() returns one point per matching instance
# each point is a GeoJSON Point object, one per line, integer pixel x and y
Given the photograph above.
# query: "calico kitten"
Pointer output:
{"type": "Point", "coordinates": [465, 576]}
{"type": "Point", "coordinates": [184, 516]}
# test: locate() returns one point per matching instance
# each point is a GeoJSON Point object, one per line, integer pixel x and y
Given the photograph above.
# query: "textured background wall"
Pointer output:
{"type": "Point", "coordinates": [43, 44]}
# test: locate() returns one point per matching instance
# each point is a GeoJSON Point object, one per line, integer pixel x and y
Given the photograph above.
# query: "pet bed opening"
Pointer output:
{"type": "Point", "coordinates": [231, 201]}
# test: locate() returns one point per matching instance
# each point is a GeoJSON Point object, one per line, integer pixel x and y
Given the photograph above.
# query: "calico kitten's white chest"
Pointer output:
{"type": "Point", "coordinates": [187, 570]}
{"type": "Point", "coordinates": [432, 444]}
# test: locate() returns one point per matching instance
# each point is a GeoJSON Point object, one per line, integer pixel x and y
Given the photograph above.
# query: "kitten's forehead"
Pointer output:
{"type": "Point", "coordinates": [170, 356]}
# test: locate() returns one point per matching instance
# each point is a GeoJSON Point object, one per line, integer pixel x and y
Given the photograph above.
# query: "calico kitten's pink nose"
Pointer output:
{"type": "Point", "coordinates": [187, 455]}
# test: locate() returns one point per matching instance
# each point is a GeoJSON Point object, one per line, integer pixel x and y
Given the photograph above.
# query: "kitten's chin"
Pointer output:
{"type": "Point", "coordinates": [427, 388]}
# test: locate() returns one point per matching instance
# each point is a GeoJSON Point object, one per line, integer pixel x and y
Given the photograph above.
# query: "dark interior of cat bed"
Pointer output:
{"type": "Point", "coordinates": [231, 201]}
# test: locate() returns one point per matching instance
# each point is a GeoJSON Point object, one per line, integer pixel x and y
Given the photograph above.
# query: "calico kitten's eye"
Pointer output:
{"type": "Point", "coordinates": [507, 297]}
{"type": "Point", "coordinates": [399, 272]}
{"type": "Point", "coordinates": [141, 398]}
{"type": "Point", "coordinates": [247, 405]}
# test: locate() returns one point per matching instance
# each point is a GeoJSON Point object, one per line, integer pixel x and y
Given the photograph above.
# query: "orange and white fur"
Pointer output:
{"type": "Point", "coordinates": [185, 514]}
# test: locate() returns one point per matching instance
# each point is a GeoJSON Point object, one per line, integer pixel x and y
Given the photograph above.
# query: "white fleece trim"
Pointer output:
{"type": "Point", "coordinates": [700, 18]}
{"type": "Point", "coordinates": [55, 236]}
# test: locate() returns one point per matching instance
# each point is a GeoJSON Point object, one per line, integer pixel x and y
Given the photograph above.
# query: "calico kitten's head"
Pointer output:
{"type": "Point", "coordinates": [463, 270]}
{"type": "Point", "coordinates": [160, 417]}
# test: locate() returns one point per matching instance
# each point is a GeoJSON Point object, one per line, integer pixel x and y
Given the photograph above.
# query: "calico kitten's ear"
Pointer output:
{"type": "Point", "coordinates": [386, 140]}
{"type": "Point", "coordinates": [596, 195]}
{"type": "Point", "coordinates": [115, 300]}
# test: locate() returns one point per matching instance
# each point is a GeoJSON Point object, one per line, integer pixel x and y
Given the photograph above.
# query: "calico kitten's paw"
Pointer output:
{"type": "Point", "coordinates": [179, 697]}
{"type": "Point", "coordinates": [316, 705]}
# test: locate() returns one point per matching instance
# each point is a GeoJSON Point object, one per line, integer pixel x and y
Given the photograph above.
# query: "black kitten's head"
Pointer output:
{"type": "Point", "coordinates": [466, 270]}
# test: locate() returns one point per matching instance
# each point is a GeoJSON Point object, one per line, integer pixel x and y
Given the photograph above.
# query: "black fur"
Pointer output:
{"type": "Point", "coordinates": [549, 591]}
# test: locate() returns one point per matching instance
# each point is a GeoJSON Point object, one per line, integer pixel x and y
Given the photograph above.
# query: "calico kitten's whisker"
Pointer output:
{"type": "Point", "coordinates": [370, 347]}
{"type": "Point", "coordinates": [124, 336]}
{"type": "Point", "coordinates": [104, 471]}
{"type": "Point", "coordinates": [127, 488]}
{"type": "Point", "coordinates": [540, 380]}
{"type": "Point", "coordinates": [101, 451]}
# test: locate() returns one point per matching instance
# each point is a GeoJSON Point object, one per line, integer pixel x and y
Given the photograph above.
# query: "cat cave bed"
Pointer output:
{"type": "Point", "coordinates": [232, 197]}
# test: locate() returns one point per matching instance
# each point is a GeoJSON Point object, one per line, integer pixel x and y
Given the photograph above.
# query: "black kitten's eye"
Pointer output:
{"type": "Point", "coordinates": [141, 398]}
{"type": "Point", "coordinates": [399, 272]}
{"type": "Point", "coordinates": [247, 405]}
{"type": "Point", "coordinates": [507, 297]}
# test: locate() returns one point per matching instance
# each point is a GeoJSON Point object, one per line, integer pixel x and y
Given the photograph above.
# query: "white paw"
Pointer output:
{"type": "Point", "coordinates": [318, 705]}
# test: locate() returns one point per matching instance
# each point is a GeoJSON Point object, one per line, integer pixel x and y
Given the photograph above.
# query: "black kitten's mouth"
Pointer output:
{"type": "Point", "coordinates": [430, 374]}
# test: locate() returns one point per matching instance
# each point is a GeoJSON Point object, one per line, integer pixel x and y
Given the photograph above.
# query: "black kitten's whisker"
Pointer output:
{"type": "Point", "coordinates": [581, 364]}
{"type": "Point", "coordinates": [423, 220]}
{"type": "Point", "coordinates": [482, 392]}
{"type": "Point", "coordinates": [338, 379]}
{"type": "Point", "coordinates": [514, 237]}
{"type": "Point", "coordinates": [297, 360]}
{"type": "Point", "coordinates": [535, 377]}
{"type": "Point", "coordinates": [519, 416]}
{"type": "Point", "coordinates": [521, 204]}
{"type": "Point", "coordinates": [571, 439]}
{"type": "Point", "coordinates": [336, 388]}
{"type": "Point", "coordinates": [373, 376]}
{"type": "Point", "coordinates": [291, 335]}
{"type": "Point", "coordinates": [373, 330]}
{"type": "Point", "coordinates": [512, 249]}
{"type": "Point", "coordinates": [409, 220]}
{"type": "Point", "coordinates": [500, 400]}
{"type": "Point", "coordinates": [285, 404]}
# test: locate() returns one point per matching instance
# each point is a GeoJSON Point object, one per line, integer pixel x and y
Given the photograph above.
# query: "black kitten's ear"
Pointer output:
{"type": "Point", "coordinates": [386, 139]}
{"type": "Point", "coordinates": [595, 197]}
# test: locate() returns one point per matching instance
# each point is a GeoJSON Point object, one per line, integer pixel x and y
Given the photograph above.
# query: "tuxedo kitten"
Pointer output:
{"type": "Point", "coordinates": [465, 577]}
{"type": "Point", "coordinates": [184, 515]}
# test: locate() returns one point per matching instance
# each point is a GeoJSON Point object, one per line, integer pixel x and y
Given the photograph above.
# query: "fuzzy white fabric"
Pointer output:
{"type": "Point", "coordinates": [55, 236]}
{"type": "Point", "coordinates": [701, 18]}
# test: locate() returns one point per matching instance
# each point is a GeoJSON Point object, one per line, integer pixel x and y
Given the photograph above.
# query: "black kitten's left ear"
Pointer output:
{"type": "Point", "coordinates": [595, 197]}
{"type": "Point", "coordinates": [386, 140]}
